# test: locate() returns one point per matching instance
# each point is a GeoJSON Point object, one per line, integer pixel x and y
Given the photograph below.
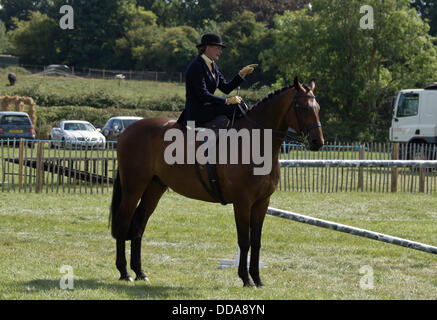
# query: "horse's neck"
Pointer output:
{"type": "Point", "coordinates": [271, 114]}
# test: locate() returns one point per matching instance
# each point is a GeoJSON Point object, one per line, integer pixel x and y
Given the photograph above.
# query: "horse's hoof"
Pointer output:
{"type": "Point", "coordinates": [142, 278]}
{"type": "Point", "coordinates": [248, 284]}
{"type": "Point", "coordinates": [258, 282]}
{"type": "Point", "coordinates": [127, 278]}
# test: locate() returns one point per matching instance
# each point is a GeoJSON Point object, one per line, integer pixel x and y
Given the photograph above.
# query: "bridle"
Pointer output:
{"type": "Point", "coordinates": [303, 130]}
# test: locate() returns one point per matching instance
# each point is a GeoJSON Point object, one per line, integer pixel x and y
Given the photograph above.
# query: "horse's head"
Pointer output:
{"type": "Point", "coordinates": [304, 118]}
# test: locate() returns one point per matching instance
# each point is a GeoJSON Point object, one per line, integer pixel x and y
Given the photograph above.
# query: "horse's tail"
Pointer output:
{"type": "Point", "coordinates": [115, 206]}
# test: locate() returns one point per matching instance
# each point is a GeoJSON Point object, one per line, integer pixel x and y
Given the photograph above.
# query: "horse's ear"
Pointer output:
{"type": "Point", "coordinates": [296, 82]}
{"type": "Point", "coordinates": [298, 86]}
{"type": "Point", "coordinates": [312, 84]}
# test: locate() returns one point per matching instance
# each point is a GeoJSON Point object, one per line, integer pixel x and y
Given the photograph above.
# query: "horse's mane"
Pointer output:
{"type": "Point", "coordinates": [271, 96]}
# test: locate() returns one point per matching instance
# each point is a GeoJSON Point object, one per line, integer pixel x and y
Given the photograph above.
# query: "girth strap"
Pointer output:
{"type": "Point", "coordinates": [215, 191]}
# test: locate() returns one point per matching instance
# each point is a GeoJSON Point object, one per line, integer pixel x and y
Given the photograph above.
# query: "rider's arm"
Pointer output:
{"type": "Point", "coordinates": [227, 87]}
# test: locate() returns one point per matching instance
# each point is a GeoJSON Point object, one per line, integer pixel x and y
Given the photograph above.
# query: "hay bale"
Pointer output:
{"type": "Point", "coordinates": [17, 103]}
{"type": "Point", "coordinates": [5, 103]}
{"type": "Point", "coordinates": [21, 106]}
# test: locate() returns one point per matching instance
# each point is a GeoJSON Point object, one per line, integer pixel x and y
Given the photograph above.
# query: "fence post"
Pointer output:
{"type": "Point", "coordinates": [20, 164]}
{"type": "Point", "coordinates": [360, 170]}
{"type": "Point", "coordinates": [394, 171]}
{"type": "Point", "coordinates": [39, 167]}
{"type": "Point", "coordinates": [422, 171]}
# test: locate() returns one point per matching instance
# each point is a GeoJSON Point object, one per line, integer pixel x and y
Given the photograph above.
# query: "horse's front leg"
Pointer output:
{"type": "Point", "coordinates": [242, 221]}
{"type": "Point", "coordinates": [258, 213]}
{"type": "Point", "coordinates": [136, 234]}
{"type": "Point", "coordinates": [121, 260]}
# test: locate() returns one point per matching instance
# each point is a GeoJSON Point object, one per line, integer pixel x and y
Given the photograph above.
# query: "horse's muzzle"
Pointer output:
{"type": "Point", "coordinates": [315, 144]}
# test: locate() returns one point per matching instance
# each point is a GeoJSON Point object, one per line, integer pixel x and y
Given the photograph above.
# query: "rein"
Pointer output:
{"type": "Point", "coordinates": [253, 122]}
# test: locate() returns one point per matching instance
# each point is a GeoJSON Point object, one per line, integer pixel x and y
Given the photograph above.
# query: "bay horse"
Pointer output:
{"type": "Point", "coordinates": [143, 176]}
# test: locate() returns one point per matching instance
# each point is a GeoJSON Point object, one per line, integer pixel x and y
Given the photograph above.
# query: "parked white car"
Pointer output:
{"type": "Point", "coordinates": [73, 133]}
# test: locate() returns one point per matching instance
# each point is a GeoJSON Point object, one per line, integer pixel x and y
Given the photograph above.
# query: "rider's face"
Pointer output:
{"type": "Point", "coordinates": [213, 52]}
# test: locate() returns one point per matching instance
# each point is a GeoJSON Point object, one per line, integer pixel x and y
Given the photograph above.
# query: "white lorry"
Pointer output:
{"type": "Point", "coordinates": [415, 116]}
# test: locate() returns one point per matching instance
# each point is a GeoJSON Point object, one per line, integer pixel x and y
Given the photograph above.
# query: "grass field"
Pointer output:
{"type": "Point", "coordinates": [185, 240]}
{"type": "Point", "coordinates": [68, 88]}
{"type": "Point", "coordinates": [104, 93]}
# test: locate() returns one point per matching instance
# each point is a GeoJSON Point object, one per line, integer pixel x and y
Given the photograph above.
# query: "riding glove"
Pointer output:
{"type": "Point", "coordinates": [233, 100]}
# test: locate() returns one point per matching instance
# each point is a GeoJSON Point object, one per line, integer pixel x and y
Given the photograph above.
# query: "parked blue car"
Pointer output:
{"type": "Point", "coordinates": [16, 125]}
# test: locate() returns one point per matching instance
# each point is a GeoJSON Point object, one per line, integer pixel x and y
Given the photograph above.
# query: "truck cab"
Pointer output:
{"type": "Point", "coordinates": [415, 116]}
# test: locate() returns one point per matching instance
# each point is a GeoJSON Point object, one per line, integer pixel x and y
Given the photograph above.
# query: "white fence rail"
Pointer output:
{"type": "Point", "coordinates": [28, 166]}
{"type": "Point", "coordinates": [367, 167]}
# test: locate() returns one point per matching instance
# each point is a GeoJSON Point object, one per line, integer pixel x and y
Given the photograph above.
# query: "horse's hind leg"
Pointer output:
{"type": "Point", "coordinates": [148, 203]}
{"type": "Point", "coordinates": [121, 225]}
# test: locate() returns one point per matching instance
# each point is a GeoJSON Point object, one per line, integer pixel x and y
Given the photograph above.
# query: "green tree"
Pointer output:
{"type": "Point", "coordinates": [264, 10]}
{"type": "Point", "coordinates": [172, 13]}
{"type": "Point", "coordinates": [21, 9]}
{"type": "Point", "coordinates": [244, 38]}
{"type": "Point", "coordinates": [4, 40]}
{"type": "Point", "coordinates": [175, 48]}
{"type": "Point", "coordinates": [428, 10]}
{"type": "Point", "coordinates": [97, 26]}
{"type": "Point", "coordinates": [358, 70]}
{"type": "Point", "coordinates": [134, 49]}
{"type": "Point", "coordinates": [33, 40]}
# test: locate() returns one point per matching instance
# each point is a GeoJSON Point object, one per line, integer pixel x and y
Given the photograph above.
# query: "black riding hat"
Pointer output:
{"type": "Point", "coordinates": [211, 39]}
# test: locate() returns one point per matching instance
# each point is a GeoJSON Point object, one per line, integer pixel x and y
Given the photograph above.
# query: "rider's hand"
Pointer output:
{"type": "Point", "coordinates": [234, 100]}
{"type": "Point", "coordinates": [247, 70]}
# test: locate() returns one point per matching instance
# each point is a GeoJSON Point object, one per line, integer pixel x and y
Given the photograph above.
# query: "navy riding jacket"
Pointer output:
{"type": "Point", "coordinates": [201, 104]}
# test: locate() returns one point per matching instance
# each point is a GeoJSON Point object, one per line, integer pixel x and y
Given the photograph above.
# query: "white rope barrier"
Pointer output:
{"type": "Point", "coordinates": [351, 230]}
{"type": "Point", "coordinates": [359, 163]}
